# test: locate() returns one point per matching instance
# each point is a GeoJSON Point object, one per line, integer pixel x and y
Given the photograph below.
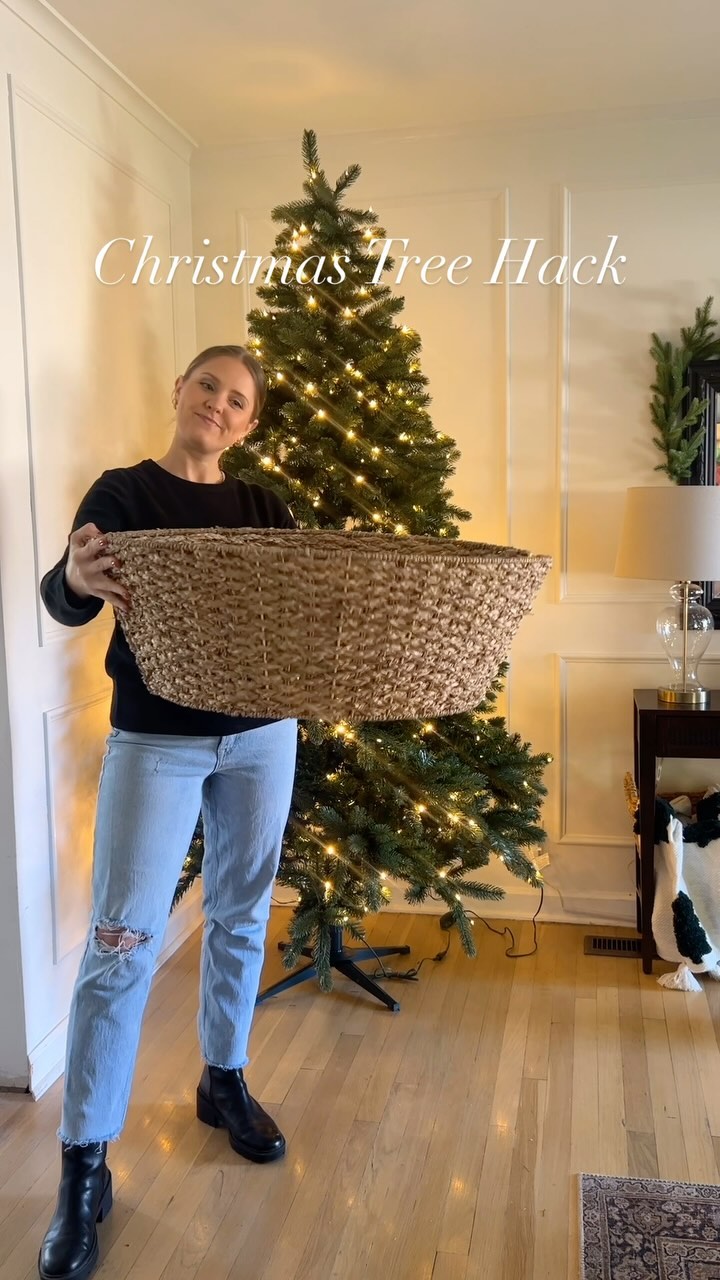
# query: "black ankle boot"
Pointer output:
{"type": "Point", "coordinates": [70, 1248]}
{"type": "Point", "coordinates": [224, 1102]}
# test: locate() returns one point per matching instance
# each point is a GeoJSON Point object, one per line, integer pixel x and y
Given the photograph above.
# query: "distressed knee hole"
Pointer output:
{"type": "Point", "coordinates": [114, 939]}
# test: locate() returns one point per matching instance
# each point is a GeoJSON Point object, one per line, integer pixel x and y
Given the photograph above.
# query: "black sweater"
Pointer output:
{"type": "Point", "coordinates": [146, 496]}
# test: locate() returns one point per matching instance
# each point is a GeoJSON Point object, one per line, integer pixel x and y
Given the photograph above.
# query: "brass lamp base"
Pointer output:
{"type": "Point", "coordinates": [686, 697]}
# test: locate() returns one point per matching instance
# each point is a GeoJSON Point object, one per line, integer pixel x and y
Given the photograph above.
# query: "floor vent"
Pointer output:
{"type": "Point", "coordinates": [612, 947]}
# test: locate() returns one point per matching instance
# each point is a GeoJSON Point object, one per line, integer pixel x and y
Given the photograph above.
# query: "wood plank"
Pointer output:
{"type": "Point", "coordinates": [401, 1148]}
{"type": "Point", "coordinates": [612, 1145]}
{"type": "Point", "coordinates": [671, 1155]}
{"type": "Point", "coordinates": [450, 1266]}
{"type": "Point", "coordinates": [696, 1134]}
{"type": "Point", "coordinates": [642, 1155]}
{"type": "Point", "coordinates": [487, 1242]}
{"type": "Point", "coordinates": [537, 1049]}
{"type": "Point", "coordinates": [636, 1082]}
{"type": "Point", "coordinates": [520, 1215]}
{"type": "Point", "coordinates": [585, 1123]}
{"type": "Point", "coordinates": [552, 1183]}
{"type": "Point", "coordinates": [460, 1202]}
{"type": "Point", "coordinates": [707, 1056]}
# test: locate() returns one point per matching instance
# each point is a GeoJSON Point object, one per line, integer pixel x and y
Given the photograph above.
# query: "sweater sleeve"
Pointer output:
{"type": "Point", "coordinates": [102, 506]}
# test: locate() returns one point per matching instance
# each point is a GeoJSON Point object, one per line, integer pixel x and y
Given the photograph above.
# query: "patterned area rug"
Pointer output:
{"type": "Point", "coordinates": [643, 1229]}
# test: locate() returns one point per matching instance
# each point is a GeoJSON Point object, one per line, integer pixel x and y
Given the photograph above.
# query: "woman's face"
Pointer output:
{"type": "Point", "coordinates": [215, 404]}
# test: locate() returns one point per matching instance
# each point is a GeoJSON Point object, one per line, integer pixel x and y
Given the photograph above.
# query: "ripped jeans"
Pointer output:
{"type": "Point", "coordinates": [152, 788]}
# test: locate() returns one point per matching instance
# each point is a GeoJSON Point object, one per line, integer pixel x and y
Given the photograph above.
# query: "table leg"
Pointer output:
{"type": "Point", "coordinates": [646, 765]}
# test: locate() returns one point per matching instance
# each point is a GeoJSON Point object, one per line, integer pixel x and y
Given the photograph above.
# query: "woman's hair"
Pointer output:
{"type": "Point", "coordinates": [246, 358]}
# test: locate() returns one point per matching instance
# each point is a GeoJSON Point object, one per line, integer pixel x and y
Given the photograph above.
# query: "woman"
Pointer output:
{"type": "Point", "coordinates": [163, 764]}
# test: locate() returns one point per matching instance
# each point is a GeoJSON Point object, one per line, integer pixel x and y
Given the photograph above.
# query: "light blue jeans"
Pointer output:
{"type": "Point", "coordinates": [151, 790]}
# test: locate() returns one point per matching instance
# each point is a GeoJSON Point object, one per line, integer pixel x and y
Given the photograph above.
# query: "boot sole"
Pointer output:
{"type": "Point", "coordinates": [83, 1272]}
{"type": "Point", "coordinates": [208, 1114]}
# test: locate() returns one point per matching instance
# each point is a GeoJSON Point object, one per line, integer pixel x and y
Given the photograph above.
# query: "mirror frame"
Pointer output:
{"type": "Point", "coordinates": [703, 380]}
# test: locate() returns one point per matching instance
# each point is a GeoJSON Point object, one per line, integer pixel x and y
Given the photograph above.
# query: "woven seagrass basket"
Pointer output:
{"type": "Point", "coordinates": [320, 624]}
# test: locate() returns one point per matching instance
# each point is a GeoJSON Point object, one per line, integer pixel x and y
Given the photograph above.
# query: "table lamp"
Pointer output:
{"type": "Point", "coordinates": [673, 532]}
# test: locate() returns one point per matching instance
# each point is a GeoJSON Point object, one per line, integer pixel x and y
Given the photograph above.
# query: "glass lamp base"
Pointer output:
{"type": "Point", "coordinates": [685, 628]}
{"type": "Point", "coordinates": [697, 697]}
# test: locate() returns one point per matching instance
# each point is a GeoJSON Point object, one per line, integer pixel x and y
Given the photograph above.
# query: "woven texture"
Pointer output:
{"type": "Point", "coordinates": [644, 1229]}
{"type": "Point", "coordinates": [321, 624]}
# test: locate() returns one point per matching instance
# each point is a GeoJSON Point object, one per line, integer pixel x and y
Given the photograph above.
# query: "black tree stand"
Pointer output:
{"type": "Point", "coordinates": [345, 961]}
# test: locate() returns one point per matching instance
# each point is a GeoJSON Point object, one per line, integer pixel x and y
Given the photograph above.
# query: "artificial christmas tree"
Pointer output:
{"type": "Point", "coordinates": [346, 440]}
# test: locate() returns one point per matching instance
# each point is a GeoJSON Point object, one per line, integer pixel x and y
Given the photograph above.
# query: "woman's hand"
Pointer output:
{"type": "Point", "coordinates": [86, 568]}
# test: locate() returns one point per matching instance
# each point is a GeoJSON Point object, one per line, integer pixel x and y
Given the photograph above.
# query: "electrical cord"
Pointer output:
{"type": "Point", "coordinates": [404, 975]}
{"type": "Point", "coordinates": [511, 953]}
{"type": "Point", "coordinates": [411, 974]}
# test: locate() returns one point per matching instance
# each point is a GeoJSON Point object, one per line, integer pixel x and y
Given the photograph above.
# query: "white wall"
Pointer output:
{"type": "Point", "coordinates": [545, 390]}
{"type": "Point", "coordinates": [86, 374]}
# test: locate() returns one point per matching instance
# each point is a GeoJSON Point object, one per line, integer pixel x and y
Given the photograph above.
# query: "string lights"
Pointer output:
{"type": "Point", "coordinates": [336, 352]}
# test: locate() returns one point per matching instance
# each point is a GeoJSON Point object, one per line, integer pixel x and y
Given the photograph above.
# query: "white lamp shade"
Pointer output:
{"type": "Point", "coordinates": [671, 533]}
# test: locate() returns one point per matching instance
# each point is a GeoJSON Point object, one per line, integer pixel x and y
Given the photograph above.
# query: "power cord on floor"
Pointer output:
{"type": "Point", "coordinates": [446, 922]}
{"type": "Point", "coordinates": [405, 975]}
{"type": "Point", "coordinates": [511, 953]}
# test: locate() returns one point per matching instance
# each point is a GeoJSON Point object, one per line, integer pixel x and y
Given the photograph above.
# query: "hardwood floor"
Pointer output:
{"type": "Point", "coordinates": [438, 1143]}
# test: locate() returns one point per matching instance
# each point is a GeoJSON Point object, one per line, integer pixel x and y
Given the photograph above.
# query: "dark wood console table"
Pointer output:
{"type": "Point", "coordinates": [663, 729]}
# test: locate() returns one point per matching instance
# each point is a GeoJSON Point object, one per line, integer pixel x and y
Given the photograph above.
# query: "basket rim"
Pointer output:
{"type": "Point", "coordinates": [412, 544]}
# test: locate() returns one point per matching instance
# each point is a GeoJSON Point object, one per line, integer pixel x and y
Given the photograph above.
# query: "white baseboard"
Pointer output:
{"type": "Point", "coordinates": [46, 1063]}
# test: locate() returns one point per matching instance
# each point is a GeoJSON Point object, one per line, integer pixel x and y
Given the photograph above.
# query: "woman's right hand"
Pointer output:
{"type": "Point", "coordinates": [86, 568]}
